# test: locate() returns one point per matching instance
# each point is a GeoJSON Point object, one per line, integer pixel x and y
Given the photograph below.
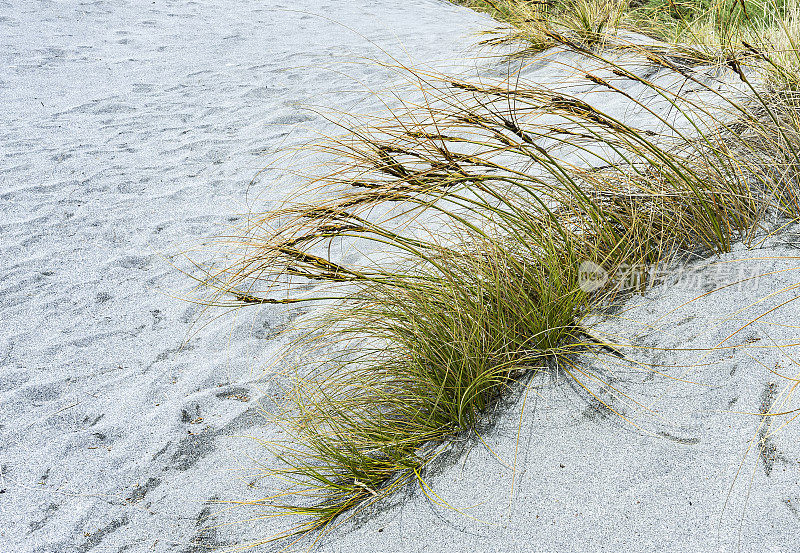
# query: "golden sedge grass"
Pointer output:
{"type": "Point", "coordinates": [699, 31]}
{"type": "Point", "coordinates": [475, 209]}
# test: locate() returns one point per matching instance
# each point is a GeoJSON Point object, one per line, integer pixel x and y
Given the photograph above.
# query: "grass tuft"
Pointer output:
{"type": "Point", "coordinates": [475, 212]}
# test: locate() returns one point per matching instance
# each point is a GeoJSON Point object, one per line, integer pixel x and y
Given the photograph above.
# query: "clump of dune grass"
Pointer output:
{"type": "Point", "coordinates": [775, 45]}
{"type": "Point", "coordinates": [473, 211]}
{"type": "Point", "coordinates": [409, 366]}
{"type": "Point", "coordinates": [590, 22]}
{"type": "Point", "coordinates": [700, 31]}
{"type": "Point", "coordinates": [710, 22]}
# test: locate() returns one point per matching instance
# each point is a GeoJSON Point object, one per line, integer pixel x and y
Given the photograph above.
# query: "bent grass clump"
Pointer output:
{"type": "Point", "coordinates": [472, 211]}
{"type": "Point", "coordinates": [696, 31]}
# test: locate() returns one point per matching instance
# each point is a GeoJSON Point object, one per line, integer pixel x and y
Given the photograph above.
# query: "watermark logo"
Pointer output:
{"type": "Point", "coordinates": [591, 276]}
{"type": "Point", "coordinates": [640, 277]}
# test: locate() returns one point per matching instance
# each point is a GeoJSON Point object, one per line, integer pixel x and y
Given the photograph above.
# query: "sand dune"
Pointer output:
{"type": "Point", "coordinates": [132, 129]}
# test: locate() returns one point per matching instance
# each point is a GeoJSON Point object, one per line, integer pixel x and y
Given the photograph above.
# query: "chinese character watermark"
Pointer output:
{"type": "Point", "coordinates": [639, 277]}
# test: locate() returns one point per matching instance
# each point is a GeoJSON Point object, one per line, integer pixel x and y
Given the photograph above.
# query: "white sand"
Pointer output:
{"type": "Point", "coordinates": [130, 129]}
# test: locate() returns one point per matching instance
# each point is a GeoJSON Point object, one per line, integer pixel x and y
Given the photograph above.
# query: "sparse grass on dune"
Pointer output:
{"type": "Point", "coordinates": [699, 31]}
{"type": "Point", "coordinates": [474, 209]}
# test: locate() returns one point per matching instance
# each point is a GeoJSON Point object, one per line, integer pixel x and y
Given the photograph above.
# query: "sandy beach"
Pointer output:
{"type": "Point", "coordinates": [131, 131]}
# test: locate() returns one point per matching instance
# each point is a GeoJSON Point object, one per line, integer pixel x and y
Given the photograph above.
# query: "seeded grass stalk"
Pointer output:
{"type": "Point", "coordinates": [474, 210]}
